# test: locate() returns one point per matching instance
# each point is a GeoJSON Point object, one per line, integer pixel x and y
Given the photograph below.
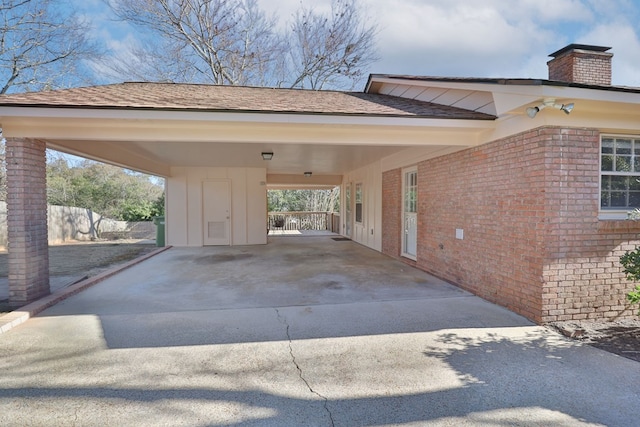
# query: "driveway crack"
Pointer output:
{"type": "Point", "coordinates": [283, 320]}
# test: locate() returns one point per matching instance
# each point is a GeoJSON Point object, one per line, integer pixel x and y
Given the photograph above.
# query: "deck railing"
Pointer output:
{"type": "Point", "coordinates": [328, 221]}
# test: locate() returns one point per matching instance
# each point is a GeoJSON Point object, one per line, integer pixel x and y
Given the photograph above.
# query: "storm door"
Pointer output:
{"type": "Point", "coordinates": [410, 214]}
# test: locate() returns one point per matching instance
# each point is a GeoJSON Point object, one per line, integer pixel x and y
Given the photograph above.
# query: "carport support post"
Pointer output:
{"type": "Point", "coordinates": [27, 220]}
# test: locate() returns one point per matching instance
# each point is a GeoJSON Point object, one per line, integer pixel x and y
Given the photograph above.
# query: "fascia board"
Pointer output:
{"type": "Point", "coordinates": [514, 102]}
{"type": "Point", "coordinates": [160, 126]}
{"type": "Point", "coordinates": [8, 113]}
{"type": "Point", "coordinates": [135, 131]}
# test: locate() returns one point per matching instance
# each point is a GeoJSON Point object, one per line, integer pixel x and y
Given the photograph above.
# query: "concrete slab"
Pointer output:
{"type": "Point", "coordinates": [299, 332]}
{"type": "Point", "coordinates": [55, 283]}
{"type": "Point", "coordinates": [298, 233]}
{"type": "Point", "coordinates": [63, 289]}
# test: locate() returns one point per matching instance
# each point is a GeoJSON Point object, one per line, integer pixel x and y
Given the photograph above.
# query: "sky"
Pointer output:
{"type": "Point", "coordinates": [463, 38]}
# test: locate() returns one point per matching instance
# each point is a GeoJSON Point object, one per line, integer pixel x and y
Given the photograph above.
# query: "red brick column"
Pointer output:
{"type": "Point", "coordinates": [392, 212]}
{"type": "Point", "coordinates": [27, 220]}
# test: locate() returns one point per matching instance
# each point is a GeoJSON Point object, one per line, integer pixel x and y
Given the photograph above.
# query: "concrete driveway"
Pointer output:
{"type": "Point", "coordinates": [301, 332]}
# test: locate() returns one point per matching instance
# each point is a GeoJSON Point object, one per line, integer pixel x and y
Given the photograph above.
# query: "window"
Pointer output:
{"type": "Point", "coordinates": [619, 173]}
{"type": "Point", "coordinates": [359, 203]}
{"type": "Point", "coordinates": [411, 191]}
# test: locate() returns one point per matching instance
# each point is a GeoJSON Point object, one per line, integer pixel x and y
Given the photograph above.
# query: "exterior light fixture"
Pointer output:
{"type": "Point", "coordinates": [532, 111]}
{"type": "Point", "coordinates": [307, 174]}
{"type": "Point", "coordinates": [267, 155]}
{"type": "Point", "coordinates": [565, 107]}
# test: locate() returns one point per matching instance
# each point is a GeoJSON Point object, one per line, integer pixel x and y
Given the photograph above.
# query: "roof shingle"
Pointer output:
{"type": "Point", "coordinates": [197, 97]}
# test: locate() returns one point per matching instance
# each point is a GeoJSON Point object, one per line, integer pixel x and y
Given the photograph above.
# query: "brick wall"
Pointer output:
{"type": "Point", "coordinates": [533, 243]}
{"type": "Point", "coordinates": [582, 275]}
{"type": "Point", "coordinates": [391, 212]}
{"type": "Point", "coordinates": [27, 220]}
{"type": "Point", "coordinates": [581, 67]}
{"type": "Point", "coordinates": [495, 194]}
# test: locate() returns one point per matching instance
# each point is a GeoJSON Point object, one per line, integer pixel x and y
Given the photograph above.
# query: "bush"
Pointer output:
{"type": "Point", "coordinates": [634, 297]}
{"type": "Point", "coordinates": [142, 211]}
{"type": "Point", "coordinates": [631, 263]}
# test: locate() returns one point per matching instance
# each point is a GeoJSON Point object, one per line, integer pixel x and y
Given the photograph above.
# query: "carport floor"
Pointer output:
{"type": "Point", "coordinates": [289, 271]}
{"type": "Point", "coordinates": [300, 332]}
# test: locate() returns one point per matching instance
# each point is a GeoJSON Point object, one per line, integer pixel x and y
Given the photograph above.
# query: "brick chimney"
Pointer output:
{"type": "Point", "coordinates": [581, 63]}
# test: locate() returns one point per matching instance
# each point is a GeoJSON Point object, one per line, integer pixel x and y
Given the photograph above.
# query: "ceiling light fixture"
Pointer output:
{"type": "Point", "coordinates": [532, 111]}
{"type": "Point", "coordinates": [267, 155]}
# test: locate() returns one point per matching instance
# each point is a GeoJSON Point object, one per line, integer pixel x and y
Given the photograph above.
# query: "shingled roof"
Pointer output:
{"type": "Point", "coordinates": [195, 97]}
{"type": "Point", "coordinates": [502, 81]}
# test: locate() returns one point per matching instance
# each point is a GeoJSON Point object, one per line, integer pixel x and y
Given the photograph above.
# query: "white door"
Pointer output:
{"type": "Point", "coordinates": [215, 211]}
{"type": "Point", "coordinates": [347, 202]}
{"type": "Point", "coordinates": [410, 214]}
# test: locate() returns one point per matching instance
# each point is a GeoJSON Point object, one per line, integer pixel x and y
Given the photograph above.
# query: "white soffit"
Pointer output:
{"type": "Point", "coordinates": [505, 103]}
{"type": "Point", "coordinates": [429, 94]}
{"type": "Point", "coordinates": [285, 181]}
{"type": "Point", "coordinates": [474, 99]}
{"type": "Point", "coordinates": [498, 99]}
{"type": "Point", "coordinates": [452, 96]}
{"type": "Point", "coordinates": [414, 92]}
{"type": "Point", "coordinates": [415, 155]}
{"type": "Point", "coordinates": [399, 90]}
{"type": "Point", "coordinates": [467, 99]}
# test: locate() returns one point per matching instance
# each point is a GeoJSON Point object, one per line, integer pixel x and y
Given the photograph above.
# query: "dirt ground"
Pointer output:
{"type": "Point", "coordinates": [84, 259]}
{"type": "Point", "coordinates": [620, 337]}
{"type": "Point", "coordinates": [91, 258]}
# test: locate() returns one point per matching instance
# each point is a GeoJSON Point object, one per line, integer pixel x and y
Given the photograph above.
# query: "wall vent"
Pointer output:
{"type": "Point", "coordinates": [217, 230]}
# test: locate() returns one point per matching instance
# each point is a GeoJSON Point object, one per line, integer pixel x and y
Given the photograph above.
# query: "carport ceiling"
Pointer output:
{"type": "Point", "coordinates": [287, 158]}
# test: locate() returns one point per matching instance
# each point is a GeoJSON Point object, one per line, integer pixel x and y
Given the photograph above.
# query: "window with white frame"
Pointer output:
{"type": "Point", "coordinates": [619, 173]}
{"type": "Point", "coordinates": [359, 203]}
{"type": "Point", "coordinates": [411, 191]}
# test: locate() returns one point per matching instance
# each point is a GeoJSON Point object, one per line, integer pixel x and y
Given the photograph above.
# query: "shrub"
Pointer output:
{"type": "Point", "coordinates": [631, 263]}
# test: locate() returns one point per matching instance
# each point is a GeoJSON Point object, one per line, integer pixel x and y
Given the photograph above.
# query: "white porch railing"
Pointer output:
{"type": "Point", "coordinates": [328, 221]}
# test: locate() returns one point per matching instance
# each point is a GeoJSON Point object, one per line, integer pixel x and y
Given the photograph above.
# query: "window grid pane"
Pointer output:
{"type": "Point", "coordinates": [410, 192]}
{"type": "Point", "coordinates": [359, 213]}
{"type": "Point", "coordinates": [619, 173]}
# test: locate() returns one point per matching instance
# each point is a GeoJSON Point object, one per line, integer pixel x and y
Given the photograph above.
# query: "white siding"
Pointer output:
{"type": "Point", "coordinates": [369, 233]}
{"type": "Point", "coordinates": [256, 206]}
{"type": "Point", "coordinates": [176, 208]}
{"type": "Point", "coordinates": [248, 204]}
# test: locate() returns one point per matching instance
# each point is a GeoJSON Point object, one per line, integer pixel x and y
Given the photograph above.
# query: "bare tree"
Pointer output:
{"type": "Point", "coordinates": [154, 62]}
{"type": "Point", "coordinates": [42, 45]}
{"type": "Point", "coordinates": [216, 41]}
{"type": "Point", "coordinates": [330, 50]}
{"type": "Point", "coordinates": [233, 42]}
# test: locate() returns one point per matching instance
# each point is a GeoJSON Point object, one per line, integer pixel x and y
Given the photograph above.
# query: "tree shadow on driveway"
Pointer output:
{"type": "Point", "coordinates": [459, 377]}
